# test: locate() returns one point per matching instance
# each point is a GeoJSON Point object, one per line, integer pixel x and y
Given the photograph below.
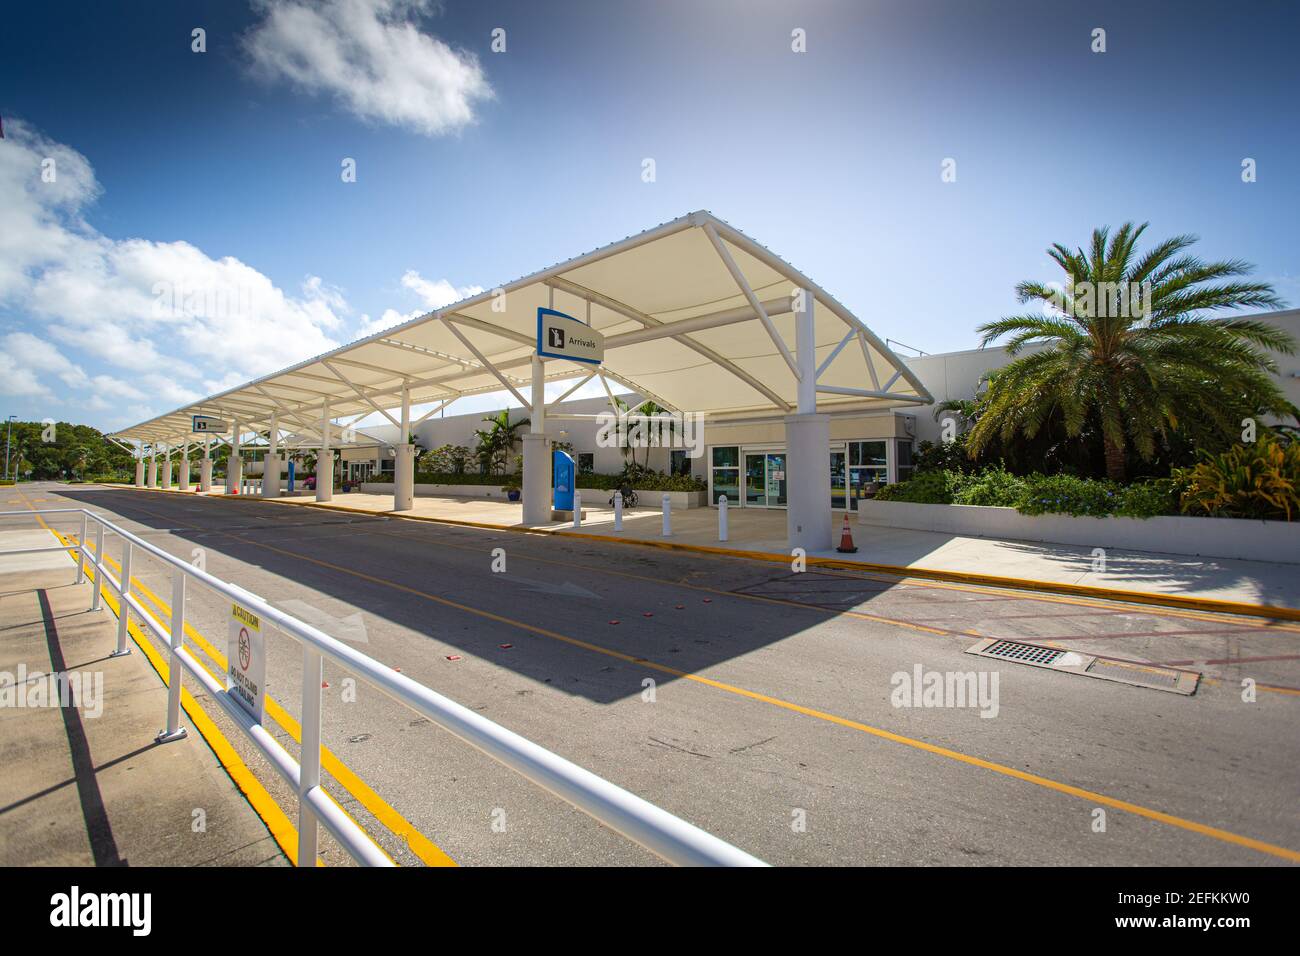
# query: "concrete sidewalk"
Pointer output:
{"type": "Point", "coordinates": [85, 784]}
{"type": "Point", "coordinates": [764, 532]}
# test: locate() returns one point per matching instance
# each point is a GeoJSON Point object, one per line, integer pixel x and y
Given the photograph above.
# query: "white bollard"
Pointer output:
{"type": "Point", "coordinates": [577, 509]}
{"type": "Point", "coordinates": [618, 511]}
{"type": "Point", "coordinates": [722, 517]}
{"type": "Point", "coordinates": [668, 515]}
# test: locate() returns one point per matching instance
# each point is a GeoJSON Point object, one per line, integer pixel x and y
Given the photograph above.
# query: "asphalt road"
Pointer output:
{"type": "Point", "coordinates": [771, 722]}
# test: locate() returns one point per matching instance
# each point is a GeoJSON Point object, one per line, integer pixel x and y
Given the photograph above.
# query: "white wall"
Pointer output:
{"type": "Point", "coordinates": [955, 375]}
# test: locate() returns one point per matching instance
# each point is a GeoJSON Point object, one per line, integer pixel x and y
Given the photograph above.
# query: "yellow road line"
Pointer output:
{"type": "Point", "coordinates": [425, 849]}
{"type": "Point", "coordinates": [273, 818]}
{"type": "Point", "coordinates": [1064, 788]}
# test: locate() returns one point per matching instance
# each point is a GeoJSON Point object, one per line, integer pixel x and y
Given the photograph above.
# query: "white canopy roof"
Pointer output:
{"type": "Point", "coordinates": [696, 316]}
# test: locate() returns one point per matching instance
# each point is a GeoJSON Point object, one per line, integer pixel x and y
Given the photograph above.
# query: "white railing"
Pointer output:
{"type": "Point", "coordinates": [663, 834]}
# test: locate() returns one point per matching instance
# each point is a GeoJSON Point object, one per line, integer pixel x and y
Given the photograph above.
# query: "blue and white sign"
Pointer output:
{"type": "Point", "coordinates": [562, 476]}
{"type": "Point", "coordinates": [206, 424]}
{"type": "Point", "coordinates": [564, 337]}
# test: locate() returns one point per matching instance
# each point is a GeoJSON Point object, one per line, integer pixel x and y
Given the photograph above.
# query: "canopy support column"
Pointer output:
{"type": "Point", "coordinates": [152, 480]}
{"type": "Point", "coordinates": [234, 464]}
{"type": "Point", "coordinates": [205, 466]}
{"type": "Point", "coordinates": [166, 481]}
{"type": "Point", "coordinates": [325, 460]}
{"type": "Point", "coordinates": [537, 454]}
{"type": "Point", "coordinates": [271, 464]}
{"type": "Point", "coordinates": [139, 464]}
{"type": "Point", "coordinates": [807, 445]}
{"type": "Point", "coordinates": [404, 455]}
{"type": "Point", "coordinates": [183, 480]}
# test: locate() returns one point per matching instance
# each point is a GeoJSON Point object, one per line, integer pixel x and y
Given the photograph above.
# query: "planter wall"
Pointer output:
{"type": "Point", "coordinates": [1207, 537]}
{"type": "Point", "coordinates": [592, 497]}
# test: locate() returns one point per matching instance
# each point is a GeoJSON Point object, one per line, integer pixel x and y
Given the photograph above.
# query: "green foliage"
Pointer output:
{"type": "Point", "coordinates": [1256, 480]}
{"type": "Point", "coordinates": [943, 456]}
{"type": "Point", "coordinates": [1149, 498]}
{"type": "Point", "coordinates": [73, 451]}
{"type": "Point", "coordinates": [993, 488]}
{"type": "Point", "coordinates": [1130, 363]}
{"type": "Point", "coordinates": [1068, 494]}
{"type": "Point", "coordinates": [1040, 494]}
{"type": "Point", "coordinates": [445, 460]}
{"type": "Point", "coordinates": [497, 442]}
{"type": "Point", "coordinates": [939, 487]}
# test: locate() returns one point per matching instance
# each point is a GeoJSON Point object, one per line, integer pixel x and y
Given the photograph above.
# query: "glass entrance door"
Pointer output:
{"type": "Point", "coordinates": [765, 480]}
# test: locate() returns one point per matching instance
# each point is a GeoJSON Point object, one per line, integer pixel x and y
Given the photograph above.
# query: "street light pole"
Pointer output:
{"type": "Point", "coordinates": [9, 427]}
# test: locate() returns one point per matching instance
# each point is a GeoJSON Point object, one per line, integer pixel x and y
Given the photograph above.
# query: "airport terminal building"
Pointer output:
{"type": "Point", "coordinates": [790, 401]}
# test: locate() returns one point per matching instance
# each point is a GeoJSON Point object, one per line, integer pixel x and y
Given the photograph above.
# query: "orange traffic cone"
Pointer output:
{"type": "Point", "coordinates": [846, 539]}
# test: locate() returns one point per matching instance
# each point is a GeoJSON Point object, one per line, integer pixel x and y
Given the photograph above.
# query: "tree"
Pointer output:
{"type": "Point", "coordinates": [647, 409]}
{"type": "Point", "coordinates": [497, 442]}
{"type": "Point", "coordinates": [1129, 353]}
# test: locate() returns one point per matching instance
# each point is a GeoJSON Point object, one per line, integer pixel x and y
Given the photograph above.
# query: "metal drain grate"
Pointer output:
{"type": "Point", "coordinates": [1135, 674]}
{"type": "Point", "coordinates": [1026, 653]}
{"type": "Point", "coordinates": [1063, 660]}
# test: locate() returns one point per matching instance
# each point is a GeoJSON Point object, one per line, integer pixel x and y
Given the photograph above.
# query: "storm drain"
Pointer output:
{"type": "Point", "coordinates": [1086, 665]}
{"type": "Point", "coordinates": [1026, 653]}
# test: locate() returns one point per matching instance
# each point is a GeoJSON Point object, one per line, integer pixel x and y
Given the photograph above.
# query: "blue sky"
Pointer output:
{"type": "Point", "coordinates": [222, 169]}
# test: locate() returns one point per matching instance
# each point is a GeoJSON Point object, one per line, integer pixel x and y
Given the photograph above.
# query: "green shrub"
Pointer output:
{"type": "Point", "coordinates": [938, 487]}
{"type": "Point", "coordinates": [1068, 494]}
{"type": "Point", "coordinates": [994, 487]}
{"type": "Point", "coordinates": [1150, 498]}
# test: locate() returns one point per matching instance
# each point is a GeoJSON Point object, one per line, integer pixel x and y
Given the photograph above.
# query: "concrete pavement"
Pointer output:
{"type": "Point", "coordinates": [85, 784]}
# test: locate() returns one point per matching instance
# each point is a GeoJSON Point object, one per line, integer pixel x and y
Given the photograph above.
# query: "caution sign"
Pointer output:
{"type": "Point", "coordinates": [246, 661]}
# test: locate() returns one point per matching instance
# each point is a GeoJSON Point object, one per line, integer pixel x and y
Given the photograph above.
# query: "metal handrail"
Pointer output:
{"type": "Point", "coordinates": [659, 831]}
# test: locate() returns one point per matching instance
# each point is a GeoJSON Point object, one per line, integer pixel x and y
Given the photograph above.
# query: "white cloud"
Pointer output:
{"type": "Point", "coordinates": [182, 324]}
{"type": "Point", "coordinates": [435, 293]}
{"type": "Point", "coordinates": [158, 309]}
{"type": "Point", "coordinates": [371, 56]}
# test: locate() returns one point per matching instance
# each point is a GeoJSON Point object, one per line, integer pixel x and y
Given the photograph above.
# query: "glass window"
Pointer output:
{"type": "Point", "coordinates": [837, 479]}
{"type": "Point", "coordinates": [586, 462]}
{"type": "Point", "coordinates": [868, 469]}
{"type": "Point", "coordinates": [726, 474]}
{"type": "Point", "coordinates": [904, 458]}
{"type": "Point", "coordinates": [680, 464]}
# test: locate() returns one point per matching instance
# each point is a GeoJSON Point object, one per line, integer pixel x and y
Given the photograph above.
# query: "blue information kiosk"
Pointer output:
{"type": "Point", "coordinates": [562, 478]}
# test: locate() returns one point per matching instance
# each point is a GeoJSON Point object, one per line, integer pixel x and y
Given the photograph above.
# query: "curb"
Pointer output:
{"type": "Point", "coordinates": [1179, 602]}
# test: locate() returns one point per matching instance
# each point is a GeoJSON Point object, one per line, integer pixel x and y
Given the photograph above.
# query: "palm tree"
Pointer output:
{"type": "Point", "coordinates": [648, 409]}
{"type": "Point", "coordinates": [496, 443]}
{"type": "Point", "coordinates": [1128, 351]}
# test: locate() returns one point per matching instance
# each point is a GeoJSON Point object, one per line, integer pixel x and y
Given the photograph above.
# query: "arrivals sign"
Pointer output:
{"type": "Point", "coordinates": [205, 424]}
{"type": "Point", "coordinates": [246, 661]}
{"type": "Point", "coordinates": [564, 337]}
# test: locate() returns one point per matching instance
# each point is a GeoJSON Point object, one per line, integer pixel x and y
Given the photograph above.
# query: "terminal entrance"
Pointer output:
{"type": "Point", "coordinates": [765, 479]}
{"type": "Point", "coordinates": [757, 477]}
